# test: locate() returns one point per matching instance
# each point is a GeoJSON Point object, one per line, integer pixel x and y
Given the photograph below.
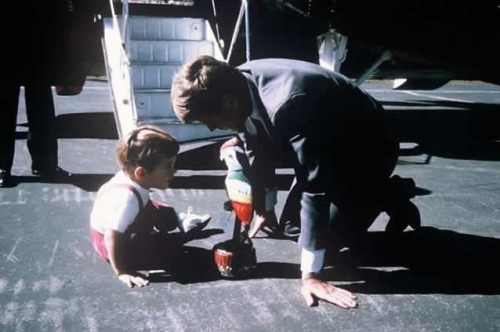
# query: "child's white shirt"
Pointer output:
{"type": "Point", "coordinates": [116, 206]}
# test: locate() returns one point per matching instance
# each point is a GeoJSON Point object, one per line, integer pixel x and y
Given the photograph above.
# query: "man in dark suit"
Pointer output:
{"type": "Point", "coordinates": [342, 152]}
{"type": "Point", "coordinates": [42, 136]}
{"type": "Point", "coordinates": [34, 49]}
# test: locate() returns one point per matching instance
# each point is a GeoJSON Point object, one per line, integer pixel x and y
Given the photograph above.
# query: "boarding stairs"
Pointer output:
{"type": "Point", "coordinates": [142, 53]}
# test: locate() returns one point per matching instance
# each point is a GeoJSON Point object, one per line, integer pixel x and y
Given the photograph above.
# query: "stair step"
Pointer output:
{"type": "Point", "coordinates": [153, 104]}
{"type": "Point", "coordinates": [153, 76]}
{"type": "Point", "coordinates": [166, 28]}
{"type": "Point", "coordinates": [168, 51]}
{"type": "Point", "coordinates": [155, 48]}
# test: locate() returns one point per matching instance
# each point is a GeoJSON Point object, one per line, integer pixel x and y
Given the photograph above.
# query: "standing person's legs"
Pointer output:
{"type": "Point", "coordinates": [42, 135]}
{"type": "Point", "coordinates": [9, 103]}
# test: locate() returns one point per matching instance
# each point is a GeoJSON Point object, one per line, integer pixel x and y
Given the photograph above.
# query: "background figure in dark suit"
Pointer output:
{"type": "Point", "coordinates": [333, 132]}
{"type": "Point", "coordinates": [42, 136]}
{"type": "Point", "coordinates": [37, 56]}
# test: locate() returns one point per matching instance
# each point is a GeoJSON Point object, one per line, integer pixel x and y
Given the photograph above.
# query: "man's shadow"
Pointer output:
{"type": "Point", "coordinates": [86, 182]}
{"type": "Point", "coordinates": [446, 128]}
{"type": "Point", "coordinates": [189, 265]}
{"type": "Point", "coordinates": [172, 259]}
{"type": "Point", "coordinates": [426, 261]}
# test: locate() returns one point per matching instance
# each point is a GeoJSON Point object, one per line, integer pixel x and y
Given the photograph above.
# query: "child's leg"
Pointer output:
{"type": "Point", "coordinates": [135, 248]}
{"type": "Point", "coordinates": [141, 251]}
{"type": "Point", "coordinates": [155, 215]}
{"type": "Point", "coordinates": [146, 251]}
{"type": "Point", "coordinates": [147, 248]}
{"type": "Point", "coordinates": [163, 217]}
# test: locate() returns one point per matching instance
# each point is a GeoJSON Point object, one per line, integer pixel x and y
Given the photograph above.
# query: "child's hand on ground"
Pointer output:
{"type": "Point", "coordinates": [133, 280]}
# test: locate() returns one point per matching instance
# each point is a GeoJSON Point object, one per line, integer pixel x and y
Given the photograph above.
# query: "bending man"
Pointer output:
{"type": "Point", "coordinates": [332, 131]}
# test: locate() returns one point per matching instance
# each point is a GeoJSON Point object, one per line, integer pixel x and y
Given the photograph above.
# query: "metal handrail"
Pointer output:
{"type": "Point", "coordinates": [123, 31]}
{"type": "Point", "coordinates": [247, 30]}
{"type": "Point", "coordinates": [243, 12]}
{"type": "Point", "coordinates": [125, 26]}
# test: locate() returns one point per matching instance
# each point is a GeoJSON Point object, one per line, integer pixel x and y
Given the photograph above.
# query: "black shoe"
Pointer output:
{"type": "Point", "coordinates": [404, 216]}
{"type": "Point", "coordinates": [291, 230]}
{"type": "Point", "coordinates": [6, 179]}
{"type": "Point", "coordinates": [51, 172]}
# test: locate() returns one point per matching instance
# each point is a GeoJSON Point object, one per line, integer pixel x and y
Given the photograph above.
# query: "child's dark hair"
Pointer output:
{"type": "Point", "coordinates": [145, 146]}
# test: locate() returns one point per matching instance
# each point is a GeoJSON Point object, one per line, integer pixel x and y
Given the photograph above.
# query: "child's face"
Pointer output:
{"type": "Point", "coordinates": [161, 176]}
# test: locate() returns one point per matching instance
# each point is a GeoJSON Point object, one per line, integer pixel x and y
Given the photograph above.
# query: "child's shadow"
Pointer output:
{"type": "Point", "coordinates": [182, 263]}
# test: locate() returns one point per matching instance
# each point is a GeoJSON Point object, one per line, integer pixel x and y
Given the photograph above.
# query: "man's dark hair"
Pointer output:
{"type": "Point", "coordinates": [200, 85]}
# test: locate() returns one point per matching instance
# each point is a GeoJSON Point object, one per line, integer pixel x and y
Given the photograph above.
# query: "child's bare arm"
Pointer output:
{"type": "Point", "coordinates": [114, 242]}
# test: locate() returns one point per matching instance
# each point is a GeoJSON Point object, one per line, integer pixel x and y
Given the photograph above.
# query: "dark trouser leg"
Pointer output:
{"type": "Point", "coordinates": [155, 215]}
{"type": "Point", "coordinates": [9, 102]}
{"type": "Point", "coordinates": [348, 226]}
{"type": "Point", "coordinates": [291, 210]}
{"type": "Point", "coordinates": [341, 224]}
{"type": "Point", "coordinates": [313, 235]}
{"type": "Point", "coordinates": [42, 136]}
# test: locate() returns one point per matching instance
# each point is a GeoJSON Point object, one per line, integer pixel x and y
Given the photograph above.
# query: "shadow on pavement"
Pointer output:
{"type": "Point", "coordinates": [276, 270]}
{"type": "Point", "coordinates": [449, 129]}
{"type": "Point", "coordinates": [202, 158]}
{"type": "Point", "coordinates": [194, 265]}
{"type": "Point", "coordinates": [430, 261]}
{"type": "Point", "coordinates": [94, 125]}
{"type": "Point", "coordinates": [217, 182]}
{"type": "Point", "coordinates": [420, 262]}
{"type": "Point", "coordinates": [184, 264]}
{"type": "Point", "coordinates": [87, 182]}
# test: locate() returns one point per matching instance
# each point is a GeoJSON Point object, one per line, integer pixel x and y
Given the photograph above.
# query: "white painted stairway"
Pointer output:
{"type": "Point", "coordinates": [142, 54]}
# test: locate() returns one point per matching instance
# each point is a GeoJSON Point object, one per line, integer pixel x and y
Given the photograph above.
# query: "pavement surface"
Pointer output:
{"type": "Point", "coordinates": [444, 277]}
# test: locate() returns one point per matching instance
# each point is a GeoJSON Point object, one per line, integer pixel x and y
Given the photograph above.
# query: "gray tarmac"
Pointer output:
{"type": "Point", "coordinates": [444, 277]}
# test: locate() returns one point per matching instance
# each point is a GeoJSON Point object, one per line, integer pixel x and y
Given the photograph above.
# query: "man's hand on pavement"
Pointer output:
{"type": "Point", "coordinates": [314, 289]}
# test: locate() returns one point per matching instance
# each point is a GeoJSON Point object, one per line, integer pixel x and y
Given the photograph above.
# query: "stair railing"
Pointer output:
{"type": "Point", "coordinates": [244, 12]}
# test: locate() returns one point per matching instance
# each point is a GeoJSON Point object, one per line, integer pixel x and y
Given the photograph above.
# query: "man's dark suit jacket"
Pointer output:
{"type": "Point", "coordinates": [331, 129]}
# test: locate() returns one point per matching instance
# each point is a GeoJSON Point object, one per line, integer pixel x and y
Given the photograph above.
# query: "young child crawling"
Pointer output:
{"type": "Point", "coordinates": [123, 211]}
